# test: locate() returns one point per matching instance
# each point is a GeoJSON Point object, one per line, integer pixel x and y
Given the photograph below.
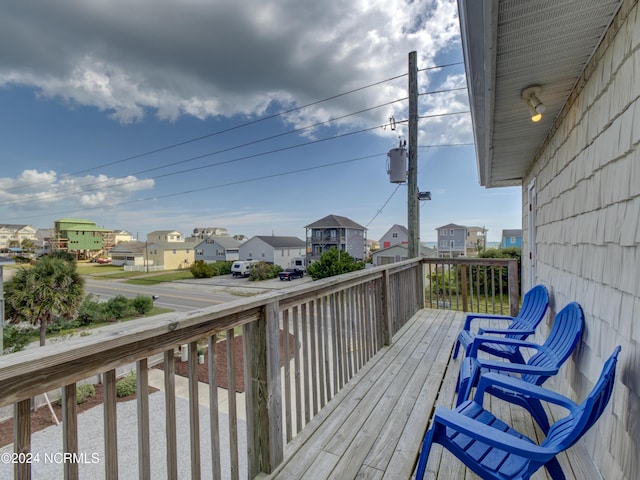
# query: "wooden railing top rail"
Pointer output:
{"type": "Point", "coordinates": [34, 371]}
{"type": "Point", "coordinates": [494, 262]}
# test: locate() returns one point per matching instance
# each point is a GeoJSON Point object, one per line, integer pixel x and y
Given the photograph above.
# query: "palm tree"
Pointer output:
{"type": "Point", "coordinates": [50, 289]}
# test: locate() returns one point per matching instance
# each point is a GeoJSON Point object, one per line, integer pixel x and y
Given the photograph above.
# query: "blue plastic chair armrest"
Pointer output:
{"type": "Point", "coordinates": [473, 348]}
{"type": "Point", "coordinates": [500, 331]}
{"type": "Point", "coordinates": [490, 380]}
{"type": "Point", "coordinates": [515, 367]}
{"type": "Point", "coordinates": [491, 436]}
{"type": "Point", "coordinates": [483, 316]}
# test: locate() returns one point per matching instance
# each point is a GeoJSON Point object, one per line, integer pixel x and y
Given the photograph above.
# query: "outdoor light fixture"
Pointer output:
{"type": "Point", "coordinates": [536, 107]}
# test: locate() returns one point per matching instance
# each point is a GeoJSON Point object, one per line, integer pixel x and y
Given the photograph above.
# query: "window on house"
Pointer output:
{"type": "Point", "coordinates": [394, 235]}
{"type": "Point", "coordinates": [451, 233]}
{"type": "Point", "coordinates": [452, 243]}
{"type": "Point", "coordinates": [512, 239]}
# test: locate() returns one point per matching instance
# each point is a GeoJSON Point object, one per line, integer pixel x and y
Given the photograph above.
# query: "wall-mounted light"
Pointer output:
{"type": "Point", "coordinates": [536, 107]}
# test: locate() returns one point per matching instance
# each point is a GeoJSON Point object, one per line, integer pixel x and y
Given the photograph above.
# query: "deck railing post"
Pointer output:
{"type": "Point", "coordinates": [387, 317]}
{"type": "Point", "coordinates": [263, 391]}
{"type": "Point", "coordinates": [514, 292]}
{"type": "Point", "coordinates": [464, 287]}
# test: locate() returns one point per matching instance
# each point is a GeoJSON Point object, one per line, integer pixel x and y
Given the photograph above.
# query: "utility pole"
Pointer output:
{"type": "Point", "coordinates": [413, 205]}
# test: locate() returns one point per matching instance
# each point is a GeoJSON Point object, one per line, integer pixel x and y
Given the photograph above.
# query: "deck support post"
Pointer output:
{"type": "Point", "coordinates": [263, 391]}
{"type": "Point", "coordinates": [387, 316]}
{"type": "Point", "coordinates": [514, 291]}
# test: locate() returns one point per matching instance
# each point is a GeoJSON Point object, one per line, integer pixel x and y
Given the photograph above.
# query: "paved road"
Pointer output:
{"type": "Point", "coordinates": [185, 295]}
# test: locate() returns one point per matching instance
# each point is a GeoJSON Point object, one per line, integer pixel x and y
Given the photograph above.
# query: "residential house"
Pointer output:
{"type": "Point", "coordinates": [206, 232]}
{"type": "Point", "coordinates": [452, 241]}
{"type": "Point", "coordinates": [81, 237]}
{"type": "Point", "coordinates": [511, 238]}
{"type": "Point", "coordinates": [476, 240]}
{"type": "Point", "coordinates": [132, 254]}
{"type": "Point", "coordinates": [334, 231]}
{"type": "Point", "coordinates": [283, 251]}
{"type": "Point", "coordinates": [169, 236]}
{"type": "Point", "coordinates": [173, 255]}
{"type": "Point", "coordinates": [579, 170]}
{"type": "Point", "coordinates": [45, 238]}
{"type": "Point", "coordinates": [397, 253]}
{"type": "Point", "coordinates": [217, 248]}
{"type": "Point", "coordinates": [122, 236]}
{"type": "Point", "coordinates": [396, 235]}
{"type": "Point", "coordinates": [13, 235]}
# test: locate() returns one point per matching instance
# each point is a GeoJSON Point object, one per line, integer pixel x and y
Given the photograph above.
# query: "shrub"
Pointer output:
{"type": "Point", "coordinates": [83, 392]}
{"type": "Point", "coordinates": [120, 307]}
{"type": "Point", "coordinates": [126, 386]}
{"type": "Point", "coordinates": [202, 269]}
{"type": "Point", "coordinates": [16, 337]}
{"type": "Point", "coordinates": [61, 325]}
{"type": "Point", "coordinates": [333, 262]}
{"type": "Point", "coordinates": [264, 271]}
{"type": "Point", "coordinates": [221, 268]}
{"type": "Point", "coordinates": [142, 304]}
{"type": "Point", "coordinates": [92, 311]}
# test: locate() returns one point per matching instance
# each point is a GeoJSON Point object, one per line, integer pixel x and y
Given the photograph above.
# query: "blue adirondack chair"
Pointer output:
{"type": "Point", "coordinates": [549, 357]}
{"type": "Point", "coordinates": [494, 450]}
{"type": "Point", "coordinates": [534, 306]}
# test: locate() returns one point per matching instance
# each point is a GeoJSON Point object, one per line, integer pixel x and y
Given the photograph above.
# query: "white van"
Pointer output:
{"type": "Point", "coordinates": [242, 268]}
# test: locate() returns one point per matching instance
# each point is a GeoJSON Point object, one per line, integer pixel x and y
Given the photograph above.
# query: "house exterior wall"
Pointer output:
{"type": "Point", "coordinates": [348, 240]}
{"type": "Point", "coordinates": [171, 257]}
{"type": "Point", "coordinates": [256, 249]}
{"type": "Point", "coordinates": [511, 241]}
{"type": "Point", "coordinates": [395, 236]}
{"type": "Point", "coordinates": [587, 234]}
{"type": "Point", "coordinates": [211, 251]}
{"type": "Point", "coordinates": [452, 241]}
{"type": "Point", "coordinates": [285, 256]}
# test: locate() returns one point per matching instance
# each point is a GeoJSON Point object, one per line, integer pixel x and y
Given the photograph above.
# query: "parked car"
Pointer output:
{"type": "Point", "coordinates": [104, 260]}
{"type": "Point", "coordinates": [290, 274]}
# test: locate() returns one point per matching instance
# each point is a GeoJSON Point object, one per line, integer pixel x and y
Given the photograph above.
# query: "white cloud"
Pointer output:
{"type": "Point", "coordinates": [212, 58]}
{"type": "Point", "coordinates": [33, 191]}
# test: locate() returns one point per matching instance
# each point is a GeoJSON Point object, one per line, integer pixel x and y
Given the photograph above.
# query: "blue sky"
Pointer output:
{"type": "Point", "coordinates": [181, 114]}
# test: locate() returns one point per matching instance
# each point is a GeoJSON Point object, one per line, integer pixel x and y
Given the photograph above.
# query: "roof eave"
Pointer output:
{"type": "Point", "coordinates": [478, 19]}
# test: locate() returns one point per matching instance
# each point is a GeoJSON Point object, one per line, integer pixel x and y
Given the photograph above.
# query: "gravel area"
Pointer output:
{"type": "Point", "coordinates": [47, 444]}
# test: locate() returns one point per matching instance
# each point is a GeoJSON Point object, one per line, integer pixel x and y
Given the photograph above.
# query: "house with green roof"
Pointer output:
{"type": "Point", "coordinates": [81, 237]}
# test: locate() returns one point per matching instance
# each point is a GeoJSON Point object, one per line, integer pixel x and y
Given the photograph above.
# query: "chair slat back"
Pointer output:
{"type": "Point", "coordinates": [567, 431]}
{"type": "Point", "coordinates": [534, 305]}
{"type": "Point", "coordinates": [563, 338]}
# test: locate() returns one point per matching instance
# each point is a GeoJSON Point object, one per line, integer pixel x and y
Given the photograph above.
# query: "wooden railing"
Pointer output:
{"type": "Point", "coordinates": [330, 327]}
{"type": "Point", "coordinates": [328, 330]}
{"type": "Point", "coordinates": [485, 285]}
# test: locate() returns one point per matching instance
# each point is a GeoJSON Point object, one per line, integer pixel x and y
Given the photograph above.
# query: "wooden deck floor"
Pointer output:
{"type": "Point", "coordinates": [373, 428]}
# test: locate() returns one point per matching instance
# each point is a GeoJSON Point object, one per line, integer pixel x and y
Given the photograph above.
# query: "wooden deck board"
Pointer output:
{"type": "Point", "coordinates": [372, 429]}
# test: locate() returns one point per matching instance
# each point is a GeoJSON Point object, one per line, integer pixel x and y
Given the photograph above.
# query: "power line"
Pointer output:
{"type": "Point", "coordinates": [202, 167]}
{"type": "Point", "coordinates": [211, 187]}
{"type": "Point", "coordinates": [230, 129]}
{"type": "Point", "coordinates": [383, 205]}
{"type": "Point", "coordinates": [219, 132]}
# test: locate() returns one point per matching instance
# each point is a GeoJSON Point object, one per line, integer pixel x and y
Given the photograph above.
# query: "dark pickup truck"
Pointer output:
{"type": "Point", "coordinates": [290, 274]}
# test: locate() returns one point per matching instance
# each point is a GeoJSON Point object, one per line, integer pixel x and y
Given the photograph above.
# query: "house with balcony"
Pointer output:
{"type": "Point", "coordinates": [511, 239]}
{"type": "Point", "coordinates": [217, 248]}
{"type": "Point", "coordinates": [277, 250]}
{"type": "Point", "coordinates": [12, 235]}
{"type": "Point", "coordinates": [452, 241]}
{"type": "Point", "coordinates": [335, 231]}
{"type": "Point", "coordinates": [83, 238]}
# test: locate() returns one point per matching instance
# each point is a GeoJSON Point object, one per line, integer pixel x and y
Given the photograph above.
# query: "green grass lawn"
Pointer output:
{"type": "Point", "coordinates": [161, 278]}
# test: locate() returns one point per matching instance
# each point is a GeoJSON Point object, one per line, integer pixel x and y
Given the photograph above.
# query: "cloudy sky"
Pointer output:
{"type": "Point", "coordinates": [258, 116]}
